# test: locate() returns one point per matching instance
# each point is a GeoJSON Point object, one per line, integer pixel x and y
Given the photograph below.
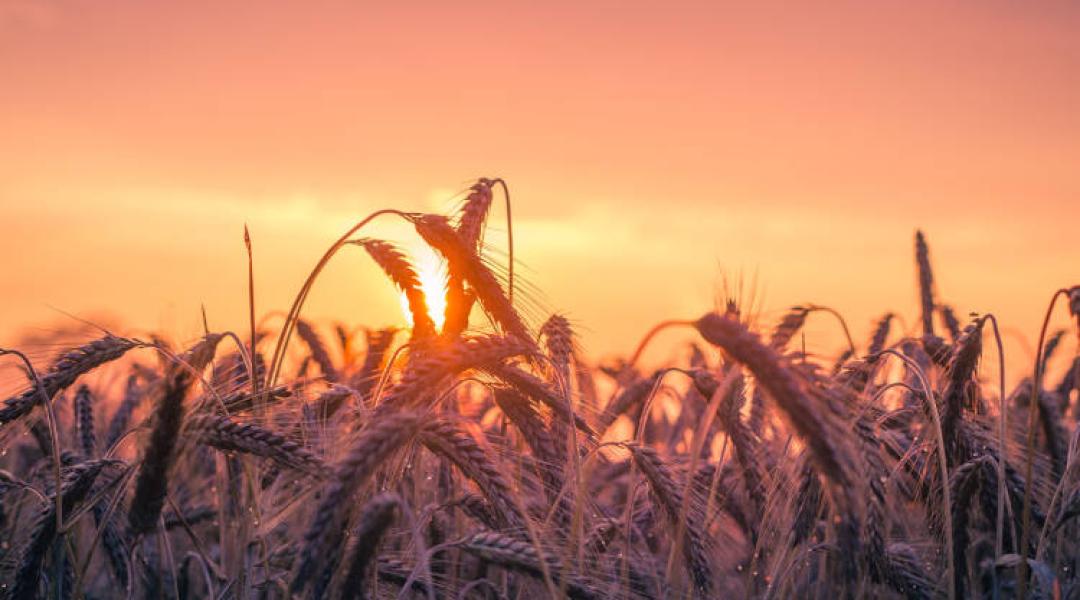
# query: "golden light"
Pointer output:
{"type": "Point", "coordinates": [431, 271]}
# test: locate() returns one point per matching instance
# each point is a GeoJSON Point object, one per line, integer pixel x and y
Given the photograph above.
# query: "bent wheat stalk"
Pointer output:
{"type": "Point", "coordinates": [64, 372]}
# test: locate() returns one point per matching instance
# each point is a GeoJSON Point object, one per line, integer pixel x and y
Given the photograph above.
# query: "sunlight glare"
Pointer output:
{"type": "Point", "coordinates": [431, 271]}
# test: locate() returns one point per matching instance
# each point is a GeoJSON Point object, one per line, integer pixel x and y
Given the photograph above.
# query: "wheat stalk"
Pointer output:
{"type": "Point", "coordinates": [372, 447]}
{"type": "Point", "coordinates": [522, 557]}
{"type": "Point", "coordinates": [393, 262]}
{"type": "Point", "coordinates": [376, 517]}
{"type": "Point", "coordinates": [64, 372]}
{"type": "Point", "coordinates": [318, 350]}
{"type": "Point", "coordinates": [224, 433]}
{"type": "Point", "coordinates": [84, 418]}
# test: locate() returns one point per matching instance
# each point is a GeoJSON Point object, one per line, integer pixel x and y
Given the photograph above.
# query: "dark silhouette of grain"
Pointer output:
{"type": "Point", "coordinates": [64, 372]}
{"type": "Point", "coordinates": [160, 453]}
{"type": "Point", "coordinates": [731, 465]}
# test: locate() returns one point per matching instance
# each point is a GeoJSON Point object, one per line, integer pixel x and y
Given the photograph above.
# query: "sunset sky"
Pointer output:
{"type": "Point", "coordinates": [650, 148]}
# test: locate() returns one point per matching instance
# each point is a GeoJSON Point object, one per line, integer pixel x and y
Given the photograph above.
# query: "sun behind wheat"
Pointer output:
{"type": "Point", "coordinates": [484, 462]}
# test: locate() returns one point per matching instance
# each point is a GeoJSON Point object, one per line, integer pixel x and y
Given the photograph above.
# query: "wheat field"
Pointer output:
{"type": "Point", "coordinates": [478, 454]}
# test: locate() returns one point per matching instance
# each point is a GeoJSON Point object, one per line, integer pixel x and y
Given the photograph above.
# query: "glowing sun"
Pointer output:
{"type": "Point", "coordinates": [431, 272]}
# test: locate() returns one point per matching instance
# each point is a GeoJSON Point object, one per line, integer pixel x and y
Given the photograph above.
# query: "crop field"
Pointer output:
{"type": "Point", "coordinates": [479, 454]}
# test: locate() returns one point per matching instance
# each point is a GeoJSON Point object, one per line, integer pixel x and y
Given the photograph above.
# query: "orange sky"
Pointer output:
{"type": "Point", "coordinates": [650, 148]}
